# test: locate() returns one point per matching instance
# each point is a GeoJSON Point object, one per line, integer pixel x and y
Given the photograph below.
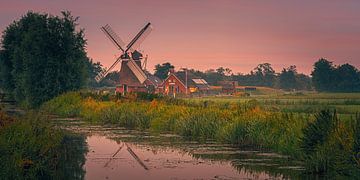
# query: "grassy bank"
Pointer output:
{"type": "Point", "coordinates": [303, 136]}
{"type": "Point", "coordinates": [30, 148]}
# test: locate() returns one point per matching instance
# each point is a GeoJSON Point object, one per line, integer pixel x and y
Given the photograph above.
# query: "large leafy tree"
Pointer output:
{"type": "Point", "coordinates": [42, 56]}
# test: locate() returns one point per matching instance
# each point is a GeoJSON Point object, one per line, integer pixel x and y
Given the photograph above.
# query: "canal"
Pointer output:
{"type": "Point", "coordinates": [118, 153]}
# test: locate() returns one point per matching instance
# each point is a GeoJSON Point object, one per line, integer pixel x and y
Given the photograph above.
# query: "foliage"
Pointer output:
{"type": "Point", "coordinates": [316, 133]}
{"type": "Point", "coordinates": [330, 78]}
{"type": "Point", "coordinates": [162, 71]}
{"type": "Point", "coordinates": [287, 78]}
{"type": "Point", "coordinates": [93, 69]}
{"type": "Point", "coordinates": [31, 149]}
{"type": "Point", "coordinates": [5, 120]}
{"type": "Point", "coordinates": [66, 105]}
{"type": "Point", "coordinates": [322, 75]}
{"type": "Point", "coordinates": [42, 56]}
{"type": "Point", "coordinates": [324, 142]}
{"type": "Point", "coordinates": [329, 146]}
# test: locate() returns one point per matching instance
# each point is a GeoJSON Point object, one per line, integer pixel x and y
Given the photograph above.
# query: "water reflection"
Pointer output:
{"type": "Point", "coordinates": [161, 163]}
{"type": "Point", "coordinates": [171, 157]}
{"type": "Point", "coordinates": [72, 158]}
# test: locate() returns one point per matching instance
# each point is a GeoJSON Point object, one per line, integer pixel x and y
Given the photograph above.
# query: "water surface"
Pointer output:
{"type": "Point", "coordinates": [118, 153]}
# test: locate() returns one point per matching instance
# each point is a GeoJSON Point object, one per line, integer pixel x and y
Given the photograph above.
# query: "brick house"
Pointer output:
{"type": "Point", "coordinates": [183, 82]}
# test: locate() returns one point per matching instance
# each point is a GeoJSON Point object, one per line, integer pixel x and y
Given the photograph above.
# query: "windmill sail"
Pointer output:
{"type": "Point", "coordinates": [114, 38]}
{"type": "Point", "coordinates": [103, 74]}
{"type": "Point", "coordinates": [139, 38]}
{"type": "Point", "coordinates": [130, 49]}
{"type": "Point", "coordinates": [138, 72]}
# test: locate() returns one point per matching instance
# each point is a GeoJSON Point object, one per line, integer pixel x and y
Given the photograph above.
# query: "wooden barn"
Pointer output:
{"type": "Point", "coordinates": [184, 83]}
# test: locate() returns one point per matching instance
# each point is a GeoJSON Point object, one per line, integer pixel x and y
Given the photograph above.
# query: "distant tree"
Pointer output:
{"type": "Point", "coordinates": [228, 72]}
{"type": "Point", "coordinates": [303, 82]}
{"type": "Point", "coordinates": [93, 69]}
{"type": "Point", "coordinates": [42, 56]}
{"type": "Point", "coordinates": [264, 75]}
{"type": "Point", "coordinates": [162, 71]}
{"type": "Point", "coordinates": [213, 77]}
{"type": "Point", "coordinates": [347, 79]}
{"type": "Point", "coordinates": [220, 71]}
{"type": "Point", "coordinates": [113, 76]}
{"type": "Point", "coordinates": [197, 73]}
{"type": "Point", "coordinates": [322, 75]}
{"type": "Point", "coordinates": [287, 78]}
{"type": "Point", "coordinates": [343, 78]}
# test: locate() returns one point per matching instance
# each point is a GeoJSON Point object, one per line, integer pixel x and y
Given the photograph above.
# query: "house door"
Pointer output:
{"type": "Point", "coordinates": [125, 88]}
{"type": "Point", "coordinates": [171, 89]}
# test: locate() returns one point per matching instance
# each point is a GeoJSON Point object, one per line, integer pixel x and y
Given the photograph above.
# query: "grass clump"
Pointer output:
{"type": "Point", "coordinates": [31, 149]}
{"type": "Point", "coordinates": [329, 146]}
{"type": "Point", "coordinates": [66, 105]}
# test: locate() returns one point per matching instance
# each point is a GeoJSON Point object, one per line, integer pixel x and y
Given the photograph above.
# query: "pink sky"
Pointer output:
{"type": "Point", "coordinates": [205, 34]}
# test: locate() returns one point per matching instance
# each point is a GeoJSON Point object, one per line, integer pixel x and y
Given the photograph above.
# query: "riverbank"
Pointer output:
{"type": "Point", "coordinates": [326, 144]}
{"type": "Point", "coordinates": [31, 148]}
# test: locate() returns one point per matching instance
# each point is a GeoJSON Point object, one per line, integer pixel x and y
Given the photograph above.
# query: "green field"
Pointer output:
{"type": "Point", "coordinates": [346, 104]}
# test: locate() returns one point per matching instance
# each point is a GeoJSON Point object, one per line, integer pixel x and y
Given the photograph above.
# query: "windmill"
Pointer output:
{"type": "Point", "coordinates": [131, 72]}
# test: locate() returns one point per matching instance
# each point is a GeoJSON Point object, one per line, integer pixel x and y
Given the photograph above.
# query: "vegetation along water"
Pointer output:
{"type": "Point", "coordinates": [326, 142]}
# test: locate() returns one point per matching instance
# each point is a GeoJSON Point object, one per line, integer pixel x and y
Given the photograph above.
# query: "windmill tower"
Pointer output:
{"type": "Point", "coordinates": [133, 78]}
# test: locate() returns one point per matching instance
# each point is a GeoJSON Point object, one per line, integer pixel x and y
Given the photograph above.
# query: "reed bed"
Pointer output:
{"type": "Point", "coordinates": [245, 123]}
{"type": "Point", "coordinates": [30, 148]}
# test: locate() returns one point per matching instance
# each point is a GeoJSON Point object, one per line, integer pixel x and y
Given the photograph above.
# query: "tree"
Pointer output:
{"type": "Point", "coordinates": [42, 56]}
{"type": "Point", "coordinates": [303, 82]}
{"type": "Point", "coordinates": [322, 75]}
{"type": "Point", "coordinates": [265, 75]}
{"type": "Point", "coordinates": [287, 78]}
{"type": "Point", "coordinates": [343, 78]}
{"type": "Point", "coordinates": [162, 71]}
{"type": "Point", "coordinates": [347, 78]}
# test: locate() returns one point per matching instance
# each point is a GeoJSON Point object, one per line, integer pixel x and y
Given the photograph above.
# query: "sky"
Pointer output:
{"type": "Point", "coordinates": [204, 34]}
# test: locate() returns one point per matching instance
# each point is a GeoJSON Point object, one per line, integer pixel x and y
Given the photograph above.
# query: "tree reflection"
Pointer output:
{"type": "Point", "coordinates": [72, 158]}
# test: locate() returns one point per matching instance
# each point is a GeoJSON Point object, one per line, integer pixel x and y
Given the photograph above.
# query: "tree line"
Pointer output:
{"type": "Point", "coordinates": [325, 77]}
{"type": "Point", "coordinates": [342, 78]}
{"type": "Point", "coordinates": [42, 56]}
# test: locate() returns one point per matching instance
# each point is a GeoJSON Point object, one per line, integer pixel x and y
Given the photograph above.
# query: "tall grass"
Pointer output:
{"type": "Point", "coordinates": [331, 145]}
{"type": "Point", "coordinates": [323, 142]}
{"type": "Point", "coordinates": [31, 149]}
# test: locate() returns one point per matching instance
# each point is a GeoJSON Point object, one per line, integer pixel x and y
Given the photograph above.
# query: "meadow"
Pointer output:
{"type": "Point", "coordinates": [322, 130]}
